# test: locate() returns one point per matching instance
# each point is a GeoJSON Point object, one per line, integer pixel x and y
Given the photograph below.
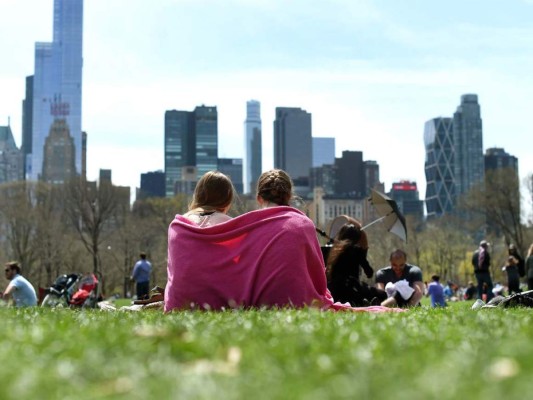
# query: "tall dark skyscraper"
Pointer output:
{"type": "Point", "coordinates": [27, 121]}
{"type": "Point", "coordinates": [152, 184]}
{"type": "Point", "coordinates": [371, 176]}
{"type": "Point", "coordinates": [469, 164]}
{"type": "Point", "coordinates": [439, 166]}
{"type": "Point", "coordinates": [293, 150]}
{"type": "Point", "coordinates": [57, 84]}
{"type": "Point", "coordinates": [232, 167]}
{"type": "Point", "coordinates": [350, 170]}
{"type": "Point", "coordinates": [191, 140]}
{"type": "Point", "coordinates": [498, 158]}
{"type": "Point", "coordinates": [252, 167]}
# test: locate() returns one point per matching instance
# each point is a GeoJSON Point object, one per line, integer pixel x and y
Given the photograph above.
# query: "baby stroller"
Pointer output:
{"type": "Point", "coordinates": [60, 293]}
{"type": "Point", "coordinates": [87, 294]}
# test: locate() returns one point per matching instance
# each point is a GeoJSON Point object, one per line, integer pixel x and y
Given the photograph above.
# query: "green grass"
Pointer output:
{"type": "Point", "coordinates": [451, 353]}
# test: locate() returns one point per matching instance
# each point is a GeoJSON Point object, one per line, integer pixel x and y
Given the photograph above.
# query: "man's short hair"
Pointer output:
{"type": "Point", "coordinates": [398, 253]}
{"type": "Point", "coordinates": [435, 278]}
{"type": "Point", "coordinates": [14, 265]}
{"type": "Point", "coordinates": [142, 255]}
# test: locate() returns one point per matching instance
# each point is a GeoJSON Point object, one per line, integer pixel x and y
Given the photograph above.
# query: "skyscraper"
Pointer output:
{"type": "Point", "coordinates": [57, 84]}
{"type": "Point", "coordinates": [323, 151]}
{"type": "Point", "coordinates": [350, 170]}
{"type": "Point", "coordinates": [405, 193]}
{"type": "Point", "coordinates": [439, 167]}
{"type": "Point", "coordinates": [468, 161]}
{"type": "Point", "coordinates": [27, 121]}
{"type": "Point", "coordinates": [293, 144]}
{"type": "Point", "coordinates": [252, 167]}
{"type": "Point", "coordinates": [191, 140]}
{"type": "Point", "coordinates": [152, 184]}
{"type": "Point", "coordinates": [371, 176]}
{"type": "Point", "coordinates": [498, 158]}
{"type": "Point", "coordinates": [206, 139]}
{"type": "Point", "coordinates": [232, 167]}
{"type": "Point", "coordinates": [11, 158]}
{"type": "Point", "coordinates": [58, 165]}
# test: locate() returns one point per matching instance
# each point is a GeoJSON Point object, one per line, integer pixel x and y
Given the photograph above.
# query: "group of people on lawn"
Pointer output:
{"type": "Point", "coordinates": [269, 257]}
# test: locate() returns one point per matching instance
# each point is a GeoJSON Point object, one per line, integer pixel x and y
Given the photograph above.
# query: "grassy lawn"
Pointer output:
{"type": "Point", "coordinates": [452, 353]}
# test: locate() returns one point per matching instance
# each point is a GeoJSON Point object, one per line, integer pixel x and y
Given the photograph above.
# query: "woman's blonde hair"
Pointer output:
{"type": "Point", "coordinates": [275, 186]}
{"type": "Point", "coordinates": [213, 192]}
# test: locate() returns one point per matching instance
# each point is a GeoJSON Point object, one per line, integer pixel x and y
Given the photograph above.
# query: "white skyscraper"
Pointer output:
{"type": "Point", "coordinates": [57, 84]}
{"type": "Point", "coordinates": [252, 146]}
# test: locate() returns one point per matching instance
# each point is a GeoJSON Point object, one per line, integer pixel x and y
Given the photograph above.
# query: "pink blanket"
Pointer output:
{"type": "Point", "coordinates": [264, 258]}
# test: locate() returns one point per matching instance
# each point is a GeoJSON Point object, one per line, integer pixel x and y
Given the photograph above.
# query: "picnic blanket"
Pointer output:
{"type": "Point", "coordinates": [264, 258]}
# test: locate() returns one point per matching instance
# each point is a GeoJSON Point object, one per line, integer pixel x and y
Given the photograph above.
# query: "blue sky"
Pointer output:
{"type": "Point", "coordinates": [370, 72]}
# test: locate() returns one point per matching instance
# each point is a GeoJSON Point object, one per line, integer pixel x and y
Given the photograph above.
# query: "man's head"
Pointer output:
{"type": "Point", "coordinates": [484, 244]}
{"type": "Point", "coordinates": [143, 255]}
{"type": "Point", "coordinates": [12, 269]}
{"type": "Point", "coordinates": [398, 259]}
{"type": "Point", "coordinates": [435, 278]}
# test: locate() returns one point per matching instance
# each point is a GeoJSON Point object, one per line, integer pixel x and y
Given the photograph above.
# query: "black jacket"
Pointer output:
{"type": "Point", "coordinates": [486, 262]}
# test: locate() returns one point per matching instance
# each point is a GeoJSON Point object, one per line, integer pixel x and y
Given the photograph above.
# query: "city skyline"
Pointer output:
{"type": "Point", "coordinates": [370, 73]}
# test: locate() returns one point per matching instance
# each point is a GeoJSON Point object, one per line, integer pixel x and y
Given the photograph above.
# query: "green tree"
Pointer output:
{"type": "Point", "coordinates": [497, 201]}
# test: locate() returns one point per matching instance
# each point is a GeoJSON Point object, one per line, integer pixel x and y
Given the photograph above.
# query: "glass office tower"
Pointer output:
{"type": "Point", "coordinates": [469, 163]}
{"type": "Point", "coordinates": [439, 166]}
{"type": "Point", "coordinates": [252, 158]}
{"type": "Point", "coordinates": [191, 140]}
{"type": "Point", "coordinates": [57, 84]}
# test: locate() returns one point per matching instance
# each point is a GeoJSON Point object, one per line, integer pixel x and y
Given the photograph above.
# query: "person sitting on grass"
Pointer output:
{"type": "Point", "coordinates": [211, 200]}
{"type": "Point", "coordinates": [19, 288]}
{"type": "Point", "coordinates": [471, 291]}
{"type": "Point", "coordinates": [345, 261]}
{"type": "Point", "coordinates": [395, 276]}
{"type": "Point", "coordinates": [267, 258]}
{"type": "Point", "coordinates": [436, 292]}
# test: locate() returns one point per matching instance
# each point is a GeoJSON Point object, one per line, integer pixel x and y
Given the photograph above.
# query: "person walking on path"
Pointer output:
{"type": "Point", "coordinates": [481, 264]}
{"type": "Point", "coordinates": [19, 288]}
{"type": "Point", "coordinates": [141, 275]}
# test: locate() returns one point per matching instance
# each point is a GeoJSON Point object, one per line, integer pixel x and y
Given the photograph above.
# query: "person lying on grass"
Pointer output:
{"type": "Point", "coordinates": [265, 258]}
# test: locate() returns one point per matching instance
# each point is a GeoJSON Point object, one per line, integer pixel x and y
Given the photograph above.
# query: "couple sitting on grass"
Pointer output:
{"type": "Point", "coordinates": [269, 257]}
